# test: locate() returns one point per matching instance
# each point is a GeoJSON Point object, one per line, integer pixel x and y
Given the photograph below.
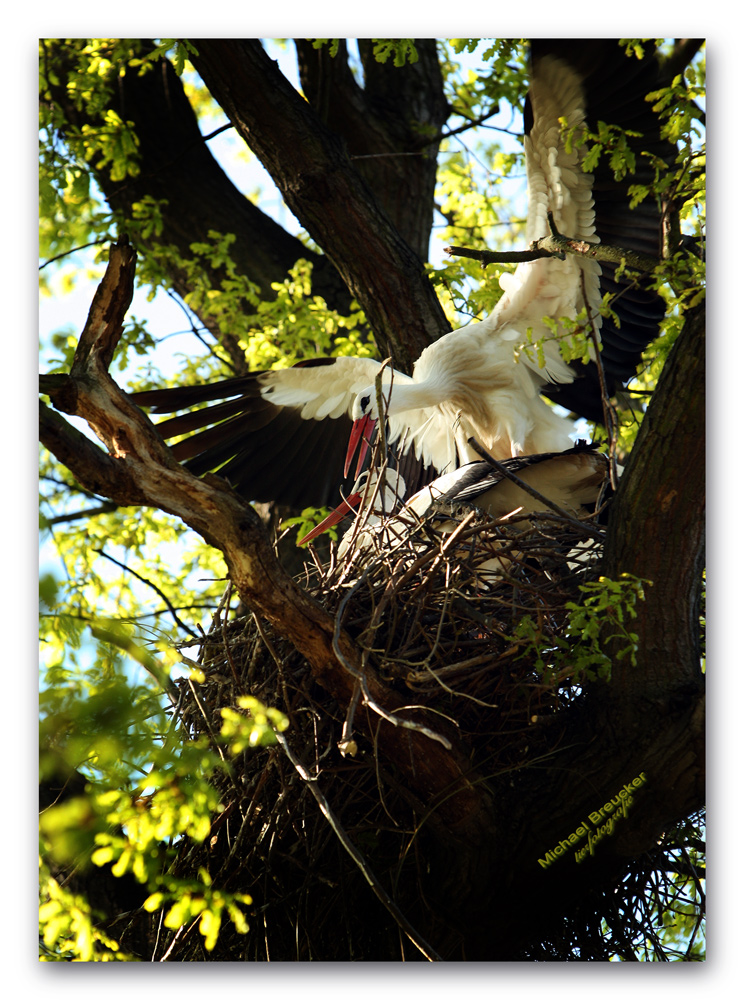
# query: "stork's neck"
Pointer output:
{"type": "Point", "coordinates": [414, 395]}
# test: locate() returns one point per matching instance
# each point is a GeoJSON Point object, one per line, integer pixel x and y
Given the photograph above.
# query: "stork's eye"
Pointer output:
{"type": "Point", "coordinates": [364, 402]}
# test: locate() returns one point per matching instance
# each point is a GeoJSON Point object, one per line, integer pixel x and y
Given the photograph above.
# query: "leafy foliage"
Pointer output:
{"type": "Point", "coordinates": [402, 50]}
{"type": "Point", "coordinates": [595, 635]}
{"type": "Point", "coordinates": [67, 927]}
{"type": "Point", "coordinates": [149, 790]}
{"type": "Point", "coordinates": [124, 591]}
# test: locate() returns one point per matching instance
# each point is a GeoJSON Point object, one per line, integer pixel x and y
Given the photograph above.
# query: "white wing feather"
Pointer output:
{"type": "Point", "coordinates": [551, 287]}
{"type": "Point", "coordinates": [320, 391]}
{"type": "Point", "coordinates": [483, 380]}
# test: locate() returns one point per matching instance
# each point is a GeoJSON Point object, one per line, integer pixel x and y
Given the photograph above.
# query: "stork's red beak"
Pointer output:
{"type": "Point", "coordinates": [345, 507]}
{"type": "Point", "coordinates": [361, 435]}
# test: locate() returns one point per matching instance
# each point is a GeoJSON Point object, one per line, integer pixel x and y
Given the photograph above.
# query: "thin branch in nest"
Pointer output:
{"type": "Point", "coordinates": [207, 723]}
{"type": "Point", "coordinates": [347, 745]}
{"type": "Point", "coordinates": [474, 444]}
{"type": "Point", "coordinates": [368, 700]}
{"type": "Point", "coordinates": [279, 665]}
{"type": "Point", "coordinates": [176, 936]}
{"type": "Point", "coordinates": [411, 933]}
{"type": "Point", "coordinates": [225, 600]}
{"type": "Point", "coordinates": [238, 838]}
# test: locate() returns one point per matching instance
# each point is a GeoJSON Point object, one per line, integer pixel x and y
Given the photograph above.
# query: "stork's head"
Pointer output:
{"type": "Point", "coordinates": [365, 414]}
{"type": "Point", "coordinates": [365, 404]}
{"type": "Point", "coordinates": [380, 496]}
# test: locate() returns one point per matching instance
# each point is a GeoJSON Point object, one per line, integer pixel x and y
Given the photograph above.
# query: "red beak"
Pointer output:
{"type": "Point", "coordinates": [345, 507]}
{"type": "Point", "coordinates": [363, 429]}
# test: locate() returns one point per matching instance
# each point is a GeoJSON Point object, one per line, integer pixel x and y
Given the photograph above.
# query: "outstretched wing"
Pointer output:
{"type": "Point", "coordinates": [278, 435]}
{"type": "Point", "coordinates": [575, 83]}
{"type": "Point", "coordinates": [556, 184]}
{"type": "Point", "coordinates": [614, 86]}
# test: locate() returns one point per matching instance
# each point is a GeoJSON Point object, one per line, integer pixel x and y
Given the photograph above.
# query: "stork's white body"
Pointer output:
{"type": "Point", "coordinates": [484, 379]}
{"type": "Point", "coordinates": [569, 480]}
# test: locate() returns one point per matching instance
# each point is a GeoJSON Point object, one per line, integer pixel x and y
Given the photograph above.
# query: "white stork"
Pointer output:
{"type": "Point", "coordinates": [283, 434]}
{"type": "Point", "coordinates": [572, 480]}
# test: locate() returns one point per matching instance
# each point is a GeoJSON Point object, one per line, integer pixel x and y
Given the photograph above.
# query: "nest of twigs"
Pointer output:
{"type": "Point", "coordinates": [438, 617]}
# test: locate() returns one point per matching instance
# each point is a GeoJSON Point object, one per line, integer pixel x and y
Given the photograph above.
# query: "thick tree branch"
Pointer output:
{"type": "Point", "coordinates": [657, 527]}
{"type": "Point", "coordinates": [321, 185]}
{"type": "Point", "coordinates": [102, 474]}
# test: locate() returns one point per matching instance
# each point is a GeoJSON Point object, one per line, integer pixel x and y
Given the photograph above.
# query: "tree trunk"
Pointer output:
{"type": "Point", "coordinates": [390, 125]}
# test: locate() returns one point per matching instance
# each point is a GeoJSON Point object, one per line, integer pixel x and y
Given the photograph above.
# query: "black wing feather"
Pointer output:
{"type": "Point", "coordinates": [480, 477]}
{"type": "Point", "coordinates": [266, 452]}
{"type": "Point", "coordinates": [615, 87]}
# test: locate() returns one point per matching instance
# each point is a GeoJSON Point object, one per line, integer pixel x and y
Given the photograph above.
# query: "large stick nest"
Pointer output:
{"type": "Point", "coordinates": [438, 617]}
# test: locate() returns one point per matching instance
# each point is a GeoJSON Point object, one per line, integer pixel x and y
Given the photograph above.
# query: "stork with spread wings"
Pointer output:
{"type": "Point", "coordinates": [286, 435]}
